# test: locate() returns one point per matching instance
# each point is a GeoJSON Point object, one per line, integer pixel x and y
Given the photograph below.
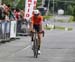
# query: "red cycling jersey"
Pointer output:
{"type": "Point", "coordinates": [36, 20]}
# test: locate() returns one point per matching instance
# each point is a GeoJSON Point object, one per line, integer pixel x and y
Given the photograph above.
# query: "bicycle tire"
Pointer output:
{"type": "Point", "coordinates": [35, 50]}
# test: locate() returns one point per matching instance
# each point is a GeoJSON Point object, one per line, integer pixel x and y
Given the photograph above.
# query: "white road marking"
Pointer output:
{"type": "Point", "coordinates": [13, 54]}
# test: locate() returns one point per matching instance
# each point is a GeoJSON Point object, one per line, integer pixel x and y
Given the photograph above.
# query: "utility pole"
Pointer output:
{"type": "Point", "coordinates": [43, 2]}
{"type": "Point", "coordinates": [53, 14]}
{"type": "Point", "coordinates": [53, 7]}
{"type": "Point", "coordinates": [0, 2]}
{"type": "Point", "coordinates": [48, 7]}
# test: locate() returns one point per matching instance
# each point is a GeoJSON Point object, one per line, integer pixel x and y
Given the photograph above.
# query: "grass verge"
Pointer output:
{"type": "Point", "coordinates": [71, 19]}
{"type": "Point", "coordinates": [59, 28]}
{"type": "Point", "coordinates": [60, 20]}
{"type": "Point", "coordinates": [47, 17]}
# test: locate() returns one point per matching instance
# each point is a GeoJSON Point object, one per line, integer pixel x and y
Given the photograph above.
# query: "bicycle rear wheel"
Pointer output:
{"type": "Point", "coordinates": [35, 50]}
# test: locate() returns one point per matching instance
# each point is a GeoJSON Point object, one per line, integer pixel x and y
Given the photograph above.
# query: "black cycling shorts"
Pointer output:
{"type": "Point", "coordinates": [36, 27]}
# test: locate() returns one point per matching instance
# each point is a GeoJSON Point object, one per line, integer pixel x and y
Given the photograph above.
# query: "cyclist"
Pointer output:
{"type": "Point", "coordinates": [36, 24]}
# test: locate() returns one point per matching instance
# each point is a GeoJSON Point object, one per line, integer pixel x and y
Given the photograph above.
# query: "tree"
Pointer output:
{"type": "Point", "coordinates": [70, 9]}
{"type": "Point", "coordinates": [74, 13]}
{"type": "Point", "coordinates": [39, 2]}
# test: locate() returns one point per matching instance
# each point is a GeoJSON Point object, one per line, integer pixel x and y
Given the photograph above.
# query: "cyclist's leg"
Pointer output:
{"type": "Point", "coordinates": [31, 29]}
{"type": "Point", "coordinates": [32, 40]}
{"type": "Point", "coordinates": [37, 28]}
{"type": "Point", "coordinates": [32, 37]}
{"type": "Point", "coordinates": [39, 37]}
{"type": "Point", "coordinates": [39, 41]}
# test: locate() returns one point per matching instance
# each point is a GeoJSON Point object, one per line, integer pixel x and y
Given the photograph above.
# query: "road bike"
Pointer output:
{"type": "Point", "coordinates": [35, 43]}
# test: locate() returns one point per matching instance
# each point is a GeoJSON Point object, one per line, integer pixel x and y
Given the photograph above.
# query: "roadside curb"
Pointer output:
{"type": "Point", "coordinates": [8, 40]}
{"type": "Point", "coordinates": [52, 27]}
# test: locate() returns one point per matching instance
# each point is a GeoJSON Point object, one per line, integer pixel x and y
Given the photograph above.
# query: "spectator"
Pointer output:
{"type": "Point", "coordinates": [17, 15]}
{"type": "Point", "coordinates": [22, 14]}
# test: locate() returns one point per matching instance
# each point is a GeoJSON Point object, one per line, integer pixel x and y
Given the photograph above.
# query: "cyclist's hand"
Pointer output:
{"type": "Point", "coordinates": [43, 32]}
{"type": "Point", "coordinates": [31, 30]}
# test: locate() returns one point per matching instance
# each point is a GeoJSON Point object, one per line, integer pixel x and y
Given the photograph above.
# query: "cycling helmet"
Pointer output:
{"type": "Point", "coordinates": [36, 12]}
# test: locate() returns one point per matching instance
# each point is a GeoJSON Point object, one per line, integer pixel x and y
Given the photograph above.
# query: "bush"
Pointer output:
{"type": "Point", "coordinates": [69, 10]}
{"type": "Point", "coordinates": [74, 14]}
{"type": "Point", "coordinates": [71, 19]}
{"type": "Point", "coordinates": [47, 17]}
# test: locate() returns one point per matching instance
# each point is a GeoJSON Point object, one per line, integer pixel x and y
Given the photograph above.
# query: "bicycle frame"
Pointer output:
{"type": "Point", "coordinates": [35, 46]}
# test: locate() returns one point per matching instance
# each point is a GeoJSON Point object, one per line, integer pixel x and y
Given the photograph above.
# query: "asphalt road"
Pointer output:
{"type": "Point", "coordinates": [57, 46]}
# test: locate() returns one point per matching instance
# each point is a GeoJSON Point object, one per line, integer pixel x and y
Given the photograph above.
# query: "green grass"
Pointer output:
{"type": "Point", "coordinates": [47, 17]}
{"type": "Point", "coordinates": [69, 29]}
{"type": "Point", "coordinates": [71, 19]}
{"type": "Point", "coordinates": [59, 28]}
{"type": "Point", "coordinates": [47, 28]}
{"type": "Point", "coordinates": [60, 20]}
{"type": "Point", "coordinates": [63, 28]}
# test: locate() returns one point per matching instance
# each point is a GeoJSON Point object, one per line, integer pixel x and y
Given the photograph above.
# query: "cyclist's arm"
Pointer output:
{"type": "Point", "coordinates": [31, 24]}
{"type": "Point", "coordinates": [41, 25]}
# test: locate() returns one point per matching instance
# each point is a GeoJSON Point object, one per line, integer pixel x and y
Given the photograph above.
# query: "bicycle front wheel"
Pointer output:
{"type": "Point", "coordinates": [35, 50]}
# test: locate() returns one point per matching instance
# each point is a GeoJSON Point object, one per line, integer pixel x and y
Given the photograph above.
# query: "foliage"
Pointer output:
{"type": "Point", "coordinates": [71, 19]}
{"type": "Point", "coordinates": [47, 17]}
{"type": "Point", "coordinates": [70, 9]}
{"type": "Point", "coordinates": [39, 2]}
{"type": "Point", "coordinates": [66, 5]}
{"type": "Point", "coordinates": [8, 2]}
{"type": "Point", "coordinates": [73, 13]}
{"type": "Point", "coordinates": [21, 4]}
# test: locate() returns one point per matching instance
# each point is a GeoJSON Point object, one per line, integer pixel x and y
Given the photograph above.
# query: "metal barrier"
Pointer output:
{"type": "Point", "coordinates": [7, 30]}
{"type": "Point", "coordinates": [23, 27]}
{"type": "Point", "coordinates": [4, 30]}
{"type": "Point", "coordinates": [13, 29]}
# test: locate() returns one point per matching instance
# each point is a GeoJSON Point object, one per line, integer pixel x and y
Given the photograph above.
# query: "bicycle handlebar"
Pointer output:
{"type": "Point", "coordinates": [40, 32]}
